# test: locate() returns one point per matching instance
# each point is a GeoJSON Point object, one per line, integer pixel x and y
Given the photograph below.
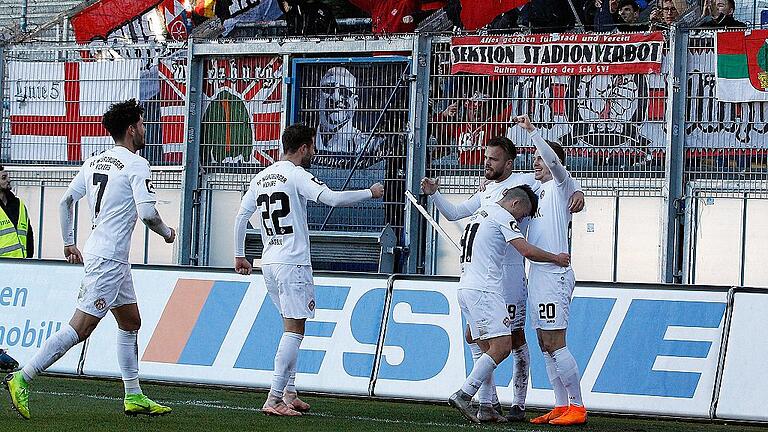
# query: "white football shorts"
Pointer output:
{"type": "Point", "coordinates": [549, 298]}
{"type": "Point", "coordinates": [515, 294]}
{"type": "Point", "coordinates": [485, 312]}
{"type": "Point", "coordinates": [107, 284]}
{"type": "Point", "coordinates": [291, 289]}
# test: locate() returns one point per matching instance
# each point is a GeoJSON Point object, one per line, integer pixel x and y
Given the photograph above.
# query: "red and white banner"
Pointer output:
{"type": "Point", "coordinates": [56, 108]}
{"type": "Point", "coordinates": [242, 106]}
{"type": "Point", "coordinates": [558, 54]}
{"type": "Point", "coordinates": [98, 20]}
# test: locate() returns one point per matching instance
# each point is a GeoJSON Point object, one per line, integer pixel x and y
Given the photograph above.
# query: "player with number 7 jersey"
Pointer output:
{"type": "Point", "coordinates": [119, 191]}
{"type": "Point", "coordinates": [279, 194]}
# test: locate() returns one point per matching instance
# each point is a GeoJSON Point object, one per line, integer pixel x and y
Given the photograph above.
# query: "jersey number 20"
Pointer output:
{"type": "Point", "coordinates": [274, 214]}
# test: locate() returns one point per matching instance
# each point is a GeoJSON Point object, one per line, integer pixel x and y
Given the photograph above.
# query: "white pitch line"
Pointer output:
{"type": "Point", "coordinates": [217, 405]}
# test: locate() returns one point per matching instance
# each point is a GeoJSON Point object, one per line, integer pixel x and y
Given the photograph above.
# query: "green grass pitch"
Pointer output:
{"type": "Point", "coordinates": [68, 404]}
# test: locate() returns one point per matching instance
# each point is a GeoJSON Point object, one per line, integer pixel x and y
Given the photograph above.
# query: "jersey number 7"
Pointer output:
{"type": "Point", "coordinates": [99, 180]}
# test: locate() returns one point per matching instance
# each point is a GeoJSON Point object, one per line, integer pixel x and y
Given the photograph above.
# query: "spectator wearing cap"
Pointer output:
{"type": "Point", "coordinates": [722, 14]}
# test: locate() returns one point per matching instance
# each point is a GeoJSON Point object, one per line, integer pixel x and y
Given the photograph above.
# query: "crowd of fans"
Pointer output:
{"type": "Point", "coordinates": [318, 17]}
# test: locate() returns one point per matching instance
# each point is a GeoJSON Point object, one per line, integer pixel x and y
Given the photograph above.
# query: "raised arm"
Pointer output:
{"type": "Point", "coordinates": [559, 173]}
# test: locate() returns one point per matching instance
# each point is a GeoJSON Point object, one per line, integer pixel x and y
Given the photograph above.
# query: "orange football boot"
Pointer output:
{"type": "Point", "coordinates": [546, 418]}
{"type": "Point", "coordinates": [575, 415]}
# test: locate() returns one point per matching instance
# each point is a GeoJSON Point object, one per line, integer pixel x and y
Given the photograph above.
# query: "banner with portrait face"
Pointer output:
{"type": "Point", "coordinates": [360, 109]}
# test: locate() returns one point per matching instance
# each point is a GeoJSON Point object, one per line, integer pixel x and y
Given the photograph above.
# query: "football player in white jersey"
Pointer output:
{"type": "Point", "coordinates": [280, 193]}
{"type": "Point", "coordinates": [488, 234]}
{"type": "Point", "coordinates": [500, 154]}
{"type": "Point", "coordinates": [119, 190]}
{"type": "Point", "coordinates": [551, 287]}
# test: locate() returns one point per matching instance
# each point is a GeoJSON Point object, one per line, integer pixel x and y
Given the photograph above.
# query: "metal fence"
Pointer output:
{"type": "Point", "coordinates": [615, 128]}
{"type": "Point", "coordinates": [726, 144]}
{"type": "Point", "coordinates": [54, 96]}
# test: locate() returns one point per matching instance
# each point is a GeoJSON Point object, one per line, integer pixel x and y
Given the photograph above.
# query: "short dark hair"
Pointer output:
{"type": "Point", "coordinates": [523, 192]}
{"type": "Point", "coordinates": [732, 3]}
{"type": "Point", "coordinates": [506, 144]}
{"type": "Point", "coordinates": [558, 151]}
{"type": "Point", "coordinates": [120, 116]}
{"type": "Point", "coordinates": [632, 3]}
{"type": "Point", "coordinates": [296, 135]}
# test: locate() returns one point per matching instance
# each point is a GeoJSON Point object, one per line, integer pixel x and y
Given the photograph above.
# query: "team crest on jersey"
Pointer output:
{"type": "Point", "coordinates": [515, 227]}
{"type": "Point", "coordinates": [318, 181]}
{"type": "Point", "coordinates": [100, 304]}
{"type": "Point", "coordinates": [311, 305]}
{"type": "Point", "coordinates": [541, 196]}
{"type": "Point", "coordinates": [150, 186]}
{"type": "Point", "coordinates": [507, 322]}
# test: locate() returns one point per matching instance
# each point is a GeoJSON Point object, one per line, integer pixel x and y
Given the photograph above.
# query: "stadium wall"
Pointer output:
{"type": "Point", "coordinates": [644, 349]}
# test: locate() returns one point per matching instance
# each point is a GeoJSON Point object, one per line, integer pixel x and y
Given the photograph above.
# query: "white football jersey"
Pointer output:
{"type": "Point", "coordinates": [279, 194]}
{"type": "Point", "coordinates": [494, 191]}
{"type": "Point", "coordinates": [484, 244]}
{"type": "Point", "coordinates": [548, 229]}
{"type": "Point", "coordinates": [114, 182]}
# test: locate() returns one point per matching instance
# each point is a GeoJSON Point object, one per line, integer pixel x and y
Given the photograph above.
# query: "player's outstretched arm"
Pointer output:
{"type": "Point", "coordinates": [242, 265]}
{"type": "Point", "coordinates": [446, 208]}
{"type": "Point", "coordinates": [74, 192]}
{"type": "Point", "coordinates": [336, 199]}
{"type": "Point", "coordinates": [533, 253]}
{"type": "Point", "coordinates": [151, 218]}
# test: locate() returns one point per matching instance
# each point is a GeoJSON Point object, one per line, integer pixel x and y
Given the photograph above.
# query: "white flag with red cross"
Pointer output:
{"type": "Point", "coordinates": [56, 108]}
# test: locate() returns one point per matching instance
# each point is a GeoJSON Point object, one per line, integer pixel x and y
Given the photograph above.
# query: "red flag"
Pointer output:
{"type": "Point", "coordinates": [100, 18]}
{"type": "Point", "coordinates": [478, 13]}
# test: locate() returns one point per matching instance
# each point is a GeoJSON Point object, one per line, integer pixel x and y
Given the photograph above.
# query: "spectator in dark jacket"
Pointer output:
{"type": "Point", "coordinates": [308, 17]}
{"type": "Point", "coordinates": [547, 16]}
{"type": "Point", "coordinates": [722, 14]}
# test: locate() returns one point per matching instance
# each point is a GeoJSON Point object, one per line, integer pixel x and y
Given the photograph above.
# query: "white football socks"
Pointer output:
{"type": "Point", "coordinates": [290, 386]}
{"type": "Point", "coordinates": [561, 394]}
{"type": "Point", "coordinates": [52, 350]}
{"type": "Point", "coordinates": [522, 360]}
{"type": "Point", "coordinates": [568, 371]}
{"type": "Point", "coordinates": [484, 367]}
{"type": "Point", "coordinates": [128, 359]}
{"type": "Point", "coordinates": [487, 393]}
{"type": "Point", "coordinates": [285, 362]}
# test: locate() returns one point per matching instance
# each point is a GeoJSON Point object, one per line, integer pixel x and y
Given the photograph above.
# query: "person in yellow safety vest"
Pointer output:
{"type": "Point", "coordinates": [16, 239]}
